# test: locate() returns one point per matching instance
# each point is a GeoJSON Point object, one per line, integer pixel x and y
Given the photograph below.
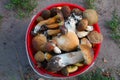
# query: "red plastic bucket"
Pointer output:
{"type": "Point", "coordinates": [30, 52]}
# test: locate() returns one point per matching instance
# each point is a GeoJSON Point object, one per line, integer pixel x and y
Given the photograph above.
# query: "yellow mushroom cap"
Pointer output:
{"type": "Point", "coordinates": [39, 56]}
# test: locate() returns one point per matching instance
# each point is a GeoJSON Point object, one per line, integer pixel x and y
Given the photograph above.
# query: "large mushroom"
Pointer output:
{"type": "Point", "coordinates": [60, 61]}
{"type": "Point", "coordinates": [67, 42]}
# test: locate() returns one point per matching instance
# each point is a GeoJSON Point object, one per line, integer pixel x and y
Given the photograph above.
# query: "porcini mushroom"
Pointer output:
{"type": "Point", "coordinates": [39, 56]}
{"type": "Point", "coordinates": [39, 41]}
{"type": "Point", "coordinates": [85, 41]}
{"type": "Point", "coordinates": [54, 11]}
{"type": "Point", "coordinates": [67, 42]}
{"type": "Point", "coordinates": [59, 61]}
{"type": "Point", "coordinates": [91, 15]}
{"type": "Point", "coordinates": [46, 14]}
{"type": "Point", "coordinates": [95, 37]}
{"type": "Point", "coordinates": [66, 11]}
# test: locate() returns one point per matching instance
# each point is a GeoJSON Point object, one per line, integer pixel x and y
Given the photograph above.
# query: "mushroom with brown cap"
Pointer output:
{"type": "Point", "coordinates": [67, 42]}
{"type": "Point", "coordinates": [39, 41]}
{"type": "Point", "coordinates": [66, 11]}
{"type": "Point", "coordinates": [46, 14]}
{"type": "Point", "coordinates": [54, 11]}
{"type": "Point", "coordinates": [39, 56]}
{"type": "Point", "coordinates": [95, 37]}
{"type": "Point", "coordinates": [82, 25]}
{"type": "Point", "coordinates": [91, 15]}
{"type": "Point", "coordinates": [76, 11]}
{"type": "Point", "coordinates": [60, 61]}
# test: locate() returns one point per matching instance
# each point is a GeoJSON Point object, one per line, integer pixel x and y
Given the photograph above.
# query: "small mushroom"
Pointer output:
{"type": "Point", "coordinates": [76, 11]}
{"type": "Point", "coordinates": [46, 22]}
{"type": "Point", "coordinates": [82, 34]}
{"type": "Point", "coordinates": [48, 56]}
{"type": "Point", "coordinates": [39, 41]}
{"type": "Point", "coordinates": [60, 61]}
{"type": "Point", "coordinates": [67, 42]}
{"type": "Point", "coordinates": [95, 37]}
{"type": "Point", "coordinates": [54, 11]}
{"type": "Point", "coordinates": [69, 69]}
{"type": "Point", "coordinates": [46, 14]}
{"type": "Point", "coordinates": [39, 56]}
{"type": "Point", "coordinates": [85, 41]}
{"type": "Point", "coordinates": [91, 15]}
{"type": "Point", "coordinates": [82, 25]}
{"type": "Point", "coordinates": [66, 11]}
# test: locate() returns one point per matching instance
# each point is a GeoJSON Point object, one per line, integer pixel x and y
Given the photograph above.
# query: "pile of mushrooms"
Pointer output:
{"type": "Point", "coordinates": [63, 39]}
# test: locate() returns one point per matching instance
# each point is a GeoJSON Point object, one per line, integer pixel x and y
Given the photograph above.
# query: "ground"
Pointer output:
{"type": "Point", "coordinates": [14, 63]}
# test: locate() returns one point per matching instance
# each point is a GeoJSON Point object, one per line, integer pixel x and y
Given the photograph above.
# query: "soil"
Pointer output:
{"type": "Point", "coordinates": [14, 63]}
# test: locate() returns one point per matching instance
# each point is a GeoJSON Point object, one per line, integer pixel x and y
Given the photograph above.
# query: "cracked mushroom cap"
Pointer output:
{"type": "Point", "coordinates": [95, 37]}
{"type": "Point", "coordinates": [87, 54]}
{"type": "Point", "coordinates": [67, 42]}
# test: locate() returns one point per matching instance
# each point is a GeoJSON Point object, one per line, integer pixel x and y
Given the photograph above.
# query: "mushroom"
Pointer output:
{"type": "Point", "coordinates": [52, 47]}
{"type": "Point", "coordinates": [82, 34]}
{"type": "Point", "coordinates": [48, 56]}
{"type": "Point", "coordinates": [46, 22]}
{"type": "Point", "coordinates": [91, 15]}
{"type": "Point", "coordinates": [54, 11]}
{"type": "Point", "coordinates": [66, 11]}
{"type": "Point", "coordinates": [39, 41]}
{"type": "Point", "coordinates": [60, 61]}
{"type": "Point", "coordinates": [86, 42]}
{"type": "Point", "coordinates": [69, 69]}
{"type": "Point", "coordinates": [46, 14]}
{"type": "Point", "coordinates": [95, 37]}
{"type": "Point", "coordinates": [39, 56]}
{"type": "Point", "coordinates": [67, 42]}
{"type": "Point", "coordinates": [82, 25]}
{"type": "Point", "coordinates": [76, 11]}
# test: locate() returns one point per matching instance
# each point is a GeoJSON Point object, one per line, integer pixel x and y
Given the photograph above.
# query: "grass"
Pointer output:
{"type": "Point", "coordinates": [95, 75]}
{"type": "Point", "coordinates": [114, 26]}
{"type": "Point", "coordinates": [21, 7]}
{"type": "Point", "coordinates": [90, 4]}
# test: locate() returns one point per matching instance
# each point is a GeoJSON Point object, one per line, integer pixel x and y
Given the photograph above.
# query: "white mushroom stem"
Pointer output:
{"type": "Point", "coordinates": [56, 49]}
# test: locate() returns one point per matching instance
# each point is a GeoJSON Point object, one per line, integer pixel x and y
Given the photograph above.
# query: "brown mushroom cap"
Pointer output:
{"type": "Point", "coordinates": [76, 11]}
{"type": "Point", "coordinates": [67, 42]}
{"type": "Point", "coordinates": [54, 11]}
{"type": "Point", "coordinates": [66, 11]}
{"type": "Point", "coordinates": [87, 54]}
{"type": "Point", "coordinates": [39, 56]}
{"type": "Point", "coordinates": [82, 25]}
{"type": "Point", "coordinates": [38, 42]}
{"type": "Point", "coordinates": [95, 37]}
{"type": "Point", "coordinates": [91, 15]}
{"type": "Point", "coordinates": [46, 14]}
{"type": "Point", "coordinates": [39, 19]}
